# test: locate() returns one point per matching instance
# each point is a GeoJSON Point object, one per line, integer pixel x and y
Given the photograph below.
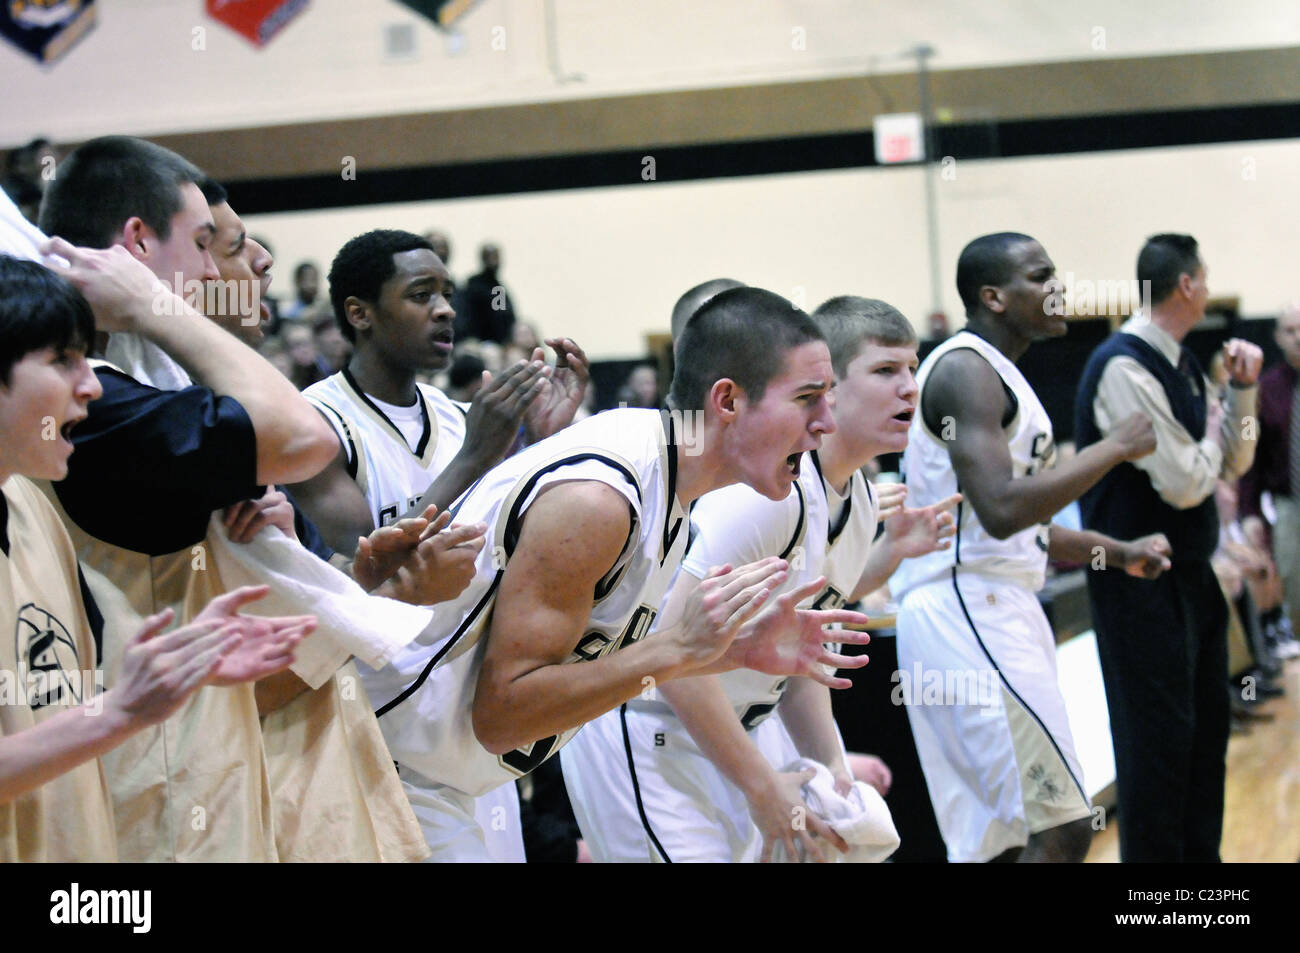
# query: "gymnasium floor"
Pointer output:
{"type": "Point", "coordinates": [1262, 810]}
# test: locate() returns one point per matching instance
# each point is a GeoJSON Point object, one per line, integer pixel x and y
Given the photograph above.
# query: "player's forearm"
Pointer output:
{"type": "Point", "coordinates": [455, 479]}
{"type": "Point", "coordinates": [551, 699]}
{"type": "Point", "coordinates": [881, 563]}
{"type": "Point", "coordinates": [1239, 421]}
{"type": "Point", "coordinates": [806, 710]}
{"type": "Point", "coordinates": [1083, 546]}
{"type": "Point", "coordinates": [59, 744]}
{"type": "Point", "coordinates": [293, 441]}
{"type": "Point", "coordinates": [702, 706]}
{"type": "Point", "coordinates": [1029, 501]}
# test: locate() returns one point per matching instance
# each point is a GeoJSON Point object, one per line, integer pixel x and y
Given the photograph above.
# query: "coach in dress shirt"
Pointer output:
{"type": "Point", "coordinates": [1163, 642]}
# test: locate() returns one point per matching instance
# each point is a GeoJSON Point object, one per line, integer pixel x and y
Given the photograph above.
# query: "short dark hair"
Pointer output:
{"type": "Point", "coordinates": [108, 180]}
{"type": "Point", "coordinates": [38, 309]}
{"type": "Point", "coordinates": [691, 301]}
{"type": "Point", "coordinates": [212, 190]}
{"type": "Point", "coordinates": [742, 334]}
{"type": "Point", "coordinates": [466, 369]}
{"type": "Point", "coordinates": [849, 322]}
{"type": "Point", "coordinates": [1164, 259]}
{"type": "Point", "coordinates": [302, 266]}
{"type": "Point", "coordinates": [363, 265]}
{"type": "Point", "coordinates": [985, 261]}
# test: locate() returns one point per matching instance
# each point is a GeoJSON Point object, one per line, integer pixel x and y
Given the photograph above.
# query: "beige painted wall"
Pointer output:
{"type": "Point", "coordinates": [162, 66]}
{"type": "Point", "coordinates": [605, 265]}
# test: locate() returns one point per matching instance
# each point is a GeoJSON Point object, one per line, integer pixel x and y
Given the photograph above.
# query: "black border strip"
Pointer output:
{"type": "Point", "coordinates": [636, 787]}
{"type": "Point", "coordinates": [996, 139]}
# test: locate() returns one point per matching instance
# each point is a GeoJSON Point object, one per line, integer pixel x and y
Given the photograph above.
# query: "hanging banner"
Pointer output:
{"type": "Point", "coordinates": [442, 12]}
{"type": "Point", "coordinates": [256, 20]}
{"type": "Point", "coordinates": [45, 29]}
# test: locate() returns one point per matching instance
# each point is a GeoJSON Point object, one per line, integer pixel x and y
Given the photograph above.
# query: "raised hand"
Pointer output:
{"type": "Point", "coordinates": [721, 604]}
{"type": "Point", "coordinates": [1147, 556]}
{"type": "Point", "coordinates": [118, 287]}
{"type": "Point", "coordinates": [1135, 435]}
{"type": "Point", "coordinates": [788, 641]}
{"type": "Point", "coordinates": [916, 532]}
{"type": "Point", "coordinates": [440, 567]}
{"type": "Point", "coordinates": [245, 520]}
{"type": "Point", "coordinates": [1243, 361]}
{"type": "Point", "coordinates": [774, 810]}
{"type": "Point", "coordinates": [554, 409]}
{"type": "Point", "coordinates": [498, 409]}
{"type": "Point", "coordinates": [889, 499]}
{"type": "Point", "coordinates": [160, 671]}
{"type": "Point", "coordinates": [382, 553]}
{"type": "Point", "coordinates": [266, 643]}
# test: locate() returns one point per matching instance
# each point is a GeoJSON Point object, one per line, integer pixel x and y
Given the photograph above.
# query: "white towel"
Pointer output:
{"type": "Point", "coordinates": [862, 818]}
{"type": "Point", "coordinates": [18, 237]}
{"type": "Point", "coordinates": [146, 362]}
{"type": "Point", "coordinates": [352, 622]}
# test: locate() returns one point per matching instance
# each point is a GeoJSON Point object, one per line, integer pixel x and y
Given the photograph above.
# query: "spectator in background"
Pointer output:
{"type": "Point", "coordinates": [524, 339]}
{"type": "Point", "coordinates": [484, 310]}
{"type": "Point", "coordinates": [641, 389]}
{"type": "Point", "coordinates": [466, 377]}
{"type": "Point", "coordinates": [332, 348]}
{"type": "Point", "coordinates": [1276, 471]}
{"type": "Point", "coordinates": [306, 366]}
{"type": "Point", "coordinates": [306, 287]}
{"type": "Point", "coordinates": [26, 176]}
{"type": "Point", "coordinates": [441, 243]}
{"type": "Point", "coordinates": [277, 355]}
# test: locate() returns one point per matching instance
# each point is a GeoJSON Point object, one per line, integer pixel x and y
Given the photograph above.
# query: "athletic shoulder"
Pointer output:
{"type": "Point", "coordinates": [962, 384]}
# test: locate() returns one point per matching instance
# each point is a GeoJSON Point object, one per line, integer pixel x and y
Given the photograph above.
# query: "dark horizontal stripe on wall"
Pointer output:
{"type": "Point", "coordinates": [999, 139]}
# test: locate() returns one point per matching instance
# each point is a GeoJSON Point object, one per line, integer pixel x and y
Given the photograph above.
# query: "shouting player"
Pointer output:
{"type": "Point", "coordinates": [585, 531]}
{"type": "Point", "coordinates": [696, 775]}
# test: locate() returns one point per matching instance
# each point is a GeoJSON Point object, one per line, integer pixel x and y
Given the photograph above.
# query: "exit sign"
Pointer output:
{"type": "Point", "coordinates": [899, 137]}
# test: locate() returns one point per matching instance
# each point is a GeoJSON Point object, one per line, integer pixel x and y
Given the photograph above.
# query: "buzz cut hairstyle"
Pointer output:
{"type": "Point", "coordinates": [983, 262]}
{"type": "Point", "coordinates": [106, 181]}
{"type": "Point", "coordinates": [39, 309]}
{"type": "Point", "coordinates": [363, 265]}
{"type": "Point", "coordinates": [850, 322]}
{"type": "Point", "coordinates": [742, 335]}
{"type": "Point", "coordinates": [1164, 259]}
{"type": "Point", "coordinates": [692, 300]}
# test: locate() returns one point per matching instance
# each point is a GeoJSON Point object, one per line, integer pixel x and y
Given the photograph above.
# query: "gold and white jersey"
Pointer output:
{"type": "Point", "coordinates": [48, 664]}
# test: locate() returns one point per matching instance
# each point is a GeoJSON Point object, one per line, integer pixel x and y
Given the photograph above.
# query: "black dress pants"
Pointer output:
{"type": "Point", "coordinates": [1164, 657]}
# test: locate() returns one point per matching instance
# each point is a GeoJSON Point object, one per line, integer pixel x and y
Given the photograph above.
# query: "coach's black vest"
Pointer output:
{"type": "Point", "coordinates": [1124, 504]}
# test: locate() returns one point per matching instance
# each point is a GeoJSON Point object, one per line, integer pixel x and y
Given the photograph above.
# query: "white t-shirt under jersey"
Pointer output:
{"type": "Point", "coordinates": [394, 453]}
{"type": "Point", "coordinates": [819, 532]}
{"type": "Point", "coordinates": [929, 475]}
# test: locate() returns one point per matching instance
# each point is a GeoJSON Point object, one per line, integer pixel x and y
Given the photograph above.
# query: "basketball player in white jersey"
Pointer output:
{"type": "Point", "coordinates": [695, 773]}
{"type": "Point", "coordinates": [405, 445]}
{"type": "Point", "coordinates": [1001, 766]}
{"type": "Point", "coordinates": [585, 531]}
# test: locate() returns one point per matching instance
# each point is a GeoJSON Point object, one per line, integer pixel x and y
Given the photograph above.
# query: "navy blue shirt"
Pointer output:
{"type": "Point", "coordinates": [150, 466]}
